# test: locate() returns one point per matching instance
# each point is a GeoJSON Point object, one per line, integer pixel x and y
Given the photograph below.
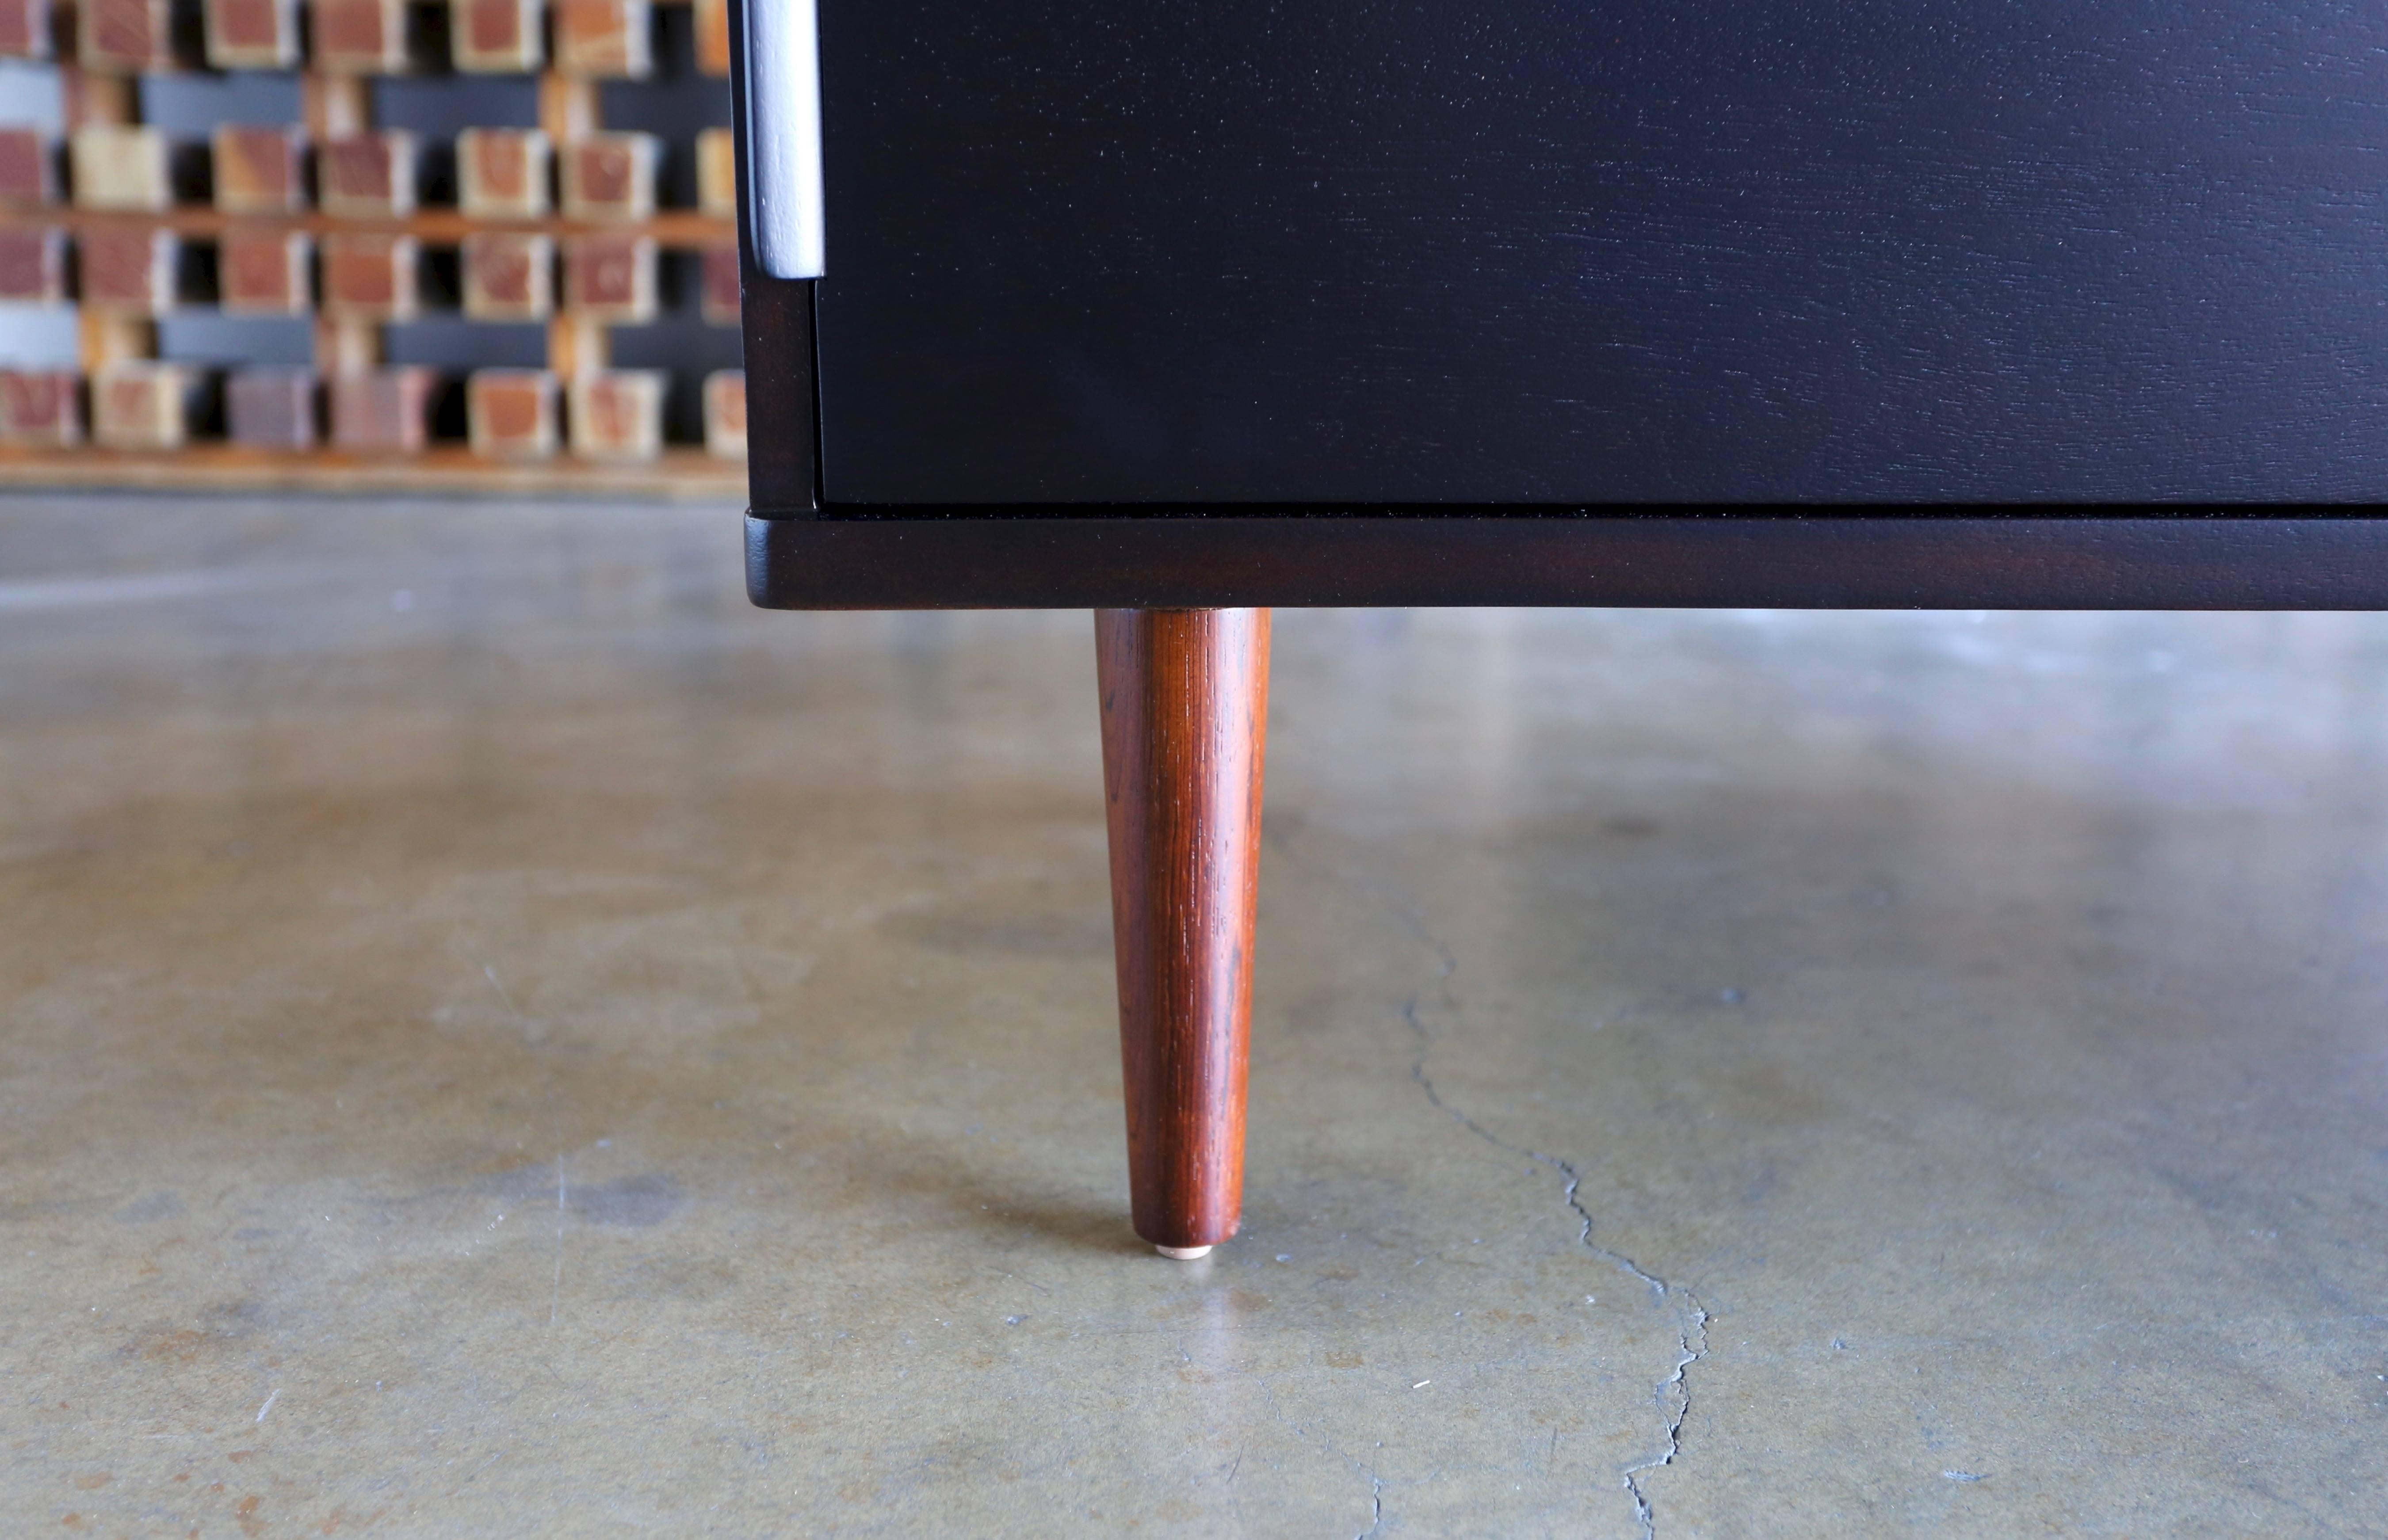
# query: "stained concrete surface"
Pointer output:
{"type": "Point", "coordinates": [499, 1038]}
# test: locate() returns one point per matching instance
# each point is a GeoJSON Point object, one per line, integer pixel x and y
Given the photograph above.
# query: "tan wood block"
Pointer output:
{"type": "Point", "coordinates": [510, 413]}
{"type": "Point", "coordinates": [604, 38]}
{"type": "Point", "coordinates": [121, 165]}
{"type": "Point", "coordinates": [509, 276]}
{"type": "Point", "coordinates": [381, 410]}
{"type": "Point", "coordinates": [494, 36]}
{"type": "Point", "coordinates": [91, 98]}
{"type": "Point", "coordinates": [361, 37]}
{"type": "Point", "coordinates": [343, 346]}
{"type": "Point", "coordinates": [32, 266]}
{"type": "Point", "coordinates": [25, 28]}
{"type": "Point", "coordinates": [724, 288]}
{"type": "Point", "coordinates": [713, 36]}
{"type": "Point", "coordinates": [610, 278]}
{"type": "Point", "coordinates": [252, 35]}
{"type": "Point", "coordinates": [126, 270]}
{"type": "Point", "coordinates": [725, 413]}
{"type": "Point", "coordinates": [716, 172]}
{"type": "Point", "coordinates": [125, 37]}
{"type": "Point", "coordinates": [257, 169]}
{"type": "Point", "coordinates": [103, 337]}
{"type": "Point", "coordinates": [370, 277]}
{"type": "Point", "coordinates": [567, 107]}
{"type": "Point", "coordinates": [367, 175]}
{"type": "Point", "coordinates": [334, 107]}
{"type": "Point", "coordinates": [503, 173]}
{"type": "Point", "coordinates": [262, 271]}
{"type": "Point", "coordinates": [141, 405]}
{"type": "Point", "coordinates": [609, 177]}
{"type": "Point", "coordinates": [271, 409]}
{"type": "Point", "coordinates": [28, 175]}
{"type": "Point", "coordinates": [576, 345]}
{"type": "Point", "coordinates": [41, 406]}
{"type": "Point", "coordinates": [617, 414]}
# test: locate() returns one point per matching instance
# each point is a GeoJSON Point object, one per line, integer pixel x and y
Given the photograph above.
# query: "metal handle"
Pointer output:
{"type": "Point", "coordinates": [783, 137]}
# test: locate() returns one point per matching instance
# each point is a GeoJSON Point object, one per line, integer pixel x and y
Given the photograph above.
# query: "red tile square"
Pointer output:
{"type": "Point", "coordinates": [41, 406]}
{"type": "Point", "coordinates": [509, 277]}
{"type": "Point", "coordinates": [126, 270]}
{"type": "Point", "coordinates": [617, 414]}
{"type": "Point", "coordinates": [510, 413]}
{"type": "Point", "coordinates": [494, 36]}
{"type": "Point", "coordinates": [32, 266]}
{"type": "Point", "coordinates": [610, 277]}
{"type": "Point", "coordinates": [501, 173]}
{"type": "Point", "coordinates": [256, 169]}
{"type": "Point", "coordinates": [600, 38]}
{"type": "Point", "coordinates": [370, 277]}
{"type": "Point", "coordinates": [28, 174]}
{"type": "Point", "coordinates": [25, 28]}
{"type": "Point", "coordinates": [271, 409]}
{"type": "Point", "coordinates": [609, 176]}
{"type": "Point", "coordinates": [723, 287]}
{"type": "Point", "coordinates": [725, 413]}
{"type": "Point", "coordinates": [381, 410]}
{"type": "Point", "coordinates": [125, 37]}
{"type": "Point", "coordinates": [367, 175]}
{"type": "Point", "coordinates": [363, 37]}
{"type": "Point", "coordinates": [252, 35]}
{"type": "Point", "coordinates": [260, 270]}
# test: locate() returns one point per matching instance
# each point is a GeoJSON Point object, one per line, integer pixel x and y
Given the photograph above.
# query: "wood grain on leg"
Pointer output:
{"type": "Point", "coordinates": [1185, 703]}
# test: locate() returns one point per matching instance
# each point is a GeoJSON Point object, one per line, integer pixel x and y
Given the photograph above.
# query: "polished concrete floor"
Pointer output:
{"type": "Point", "coordinates": [499, 1038]}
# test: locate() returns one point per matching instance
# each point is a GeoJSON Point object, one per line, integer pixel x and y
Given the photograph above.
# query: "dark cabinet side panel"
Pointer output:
{"type": "Point", "coordinates": [1298, 251]}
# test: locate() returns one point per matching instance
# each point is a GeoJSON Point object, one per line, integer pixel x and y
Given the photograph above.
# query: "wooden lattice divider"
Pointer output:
{"type": "Point", "coordinates": [336, 103]}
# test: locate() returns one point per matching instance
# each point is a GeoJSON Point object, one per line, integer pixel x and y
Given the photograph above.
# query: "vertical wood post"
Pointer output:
{"type": "Point", "coordinates": [1185, 710]}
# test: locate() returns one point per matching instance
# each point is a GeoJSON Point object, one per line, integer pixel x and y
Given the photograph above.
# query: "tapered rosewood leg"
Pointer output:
{"type": "Point", "coordinates": [1185, 697]}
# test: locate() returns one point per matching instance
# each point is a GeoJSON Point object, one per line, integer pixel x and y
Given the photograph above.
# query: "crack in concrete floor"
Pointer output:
{"type": "Point", "coordinates": [1672, 1396]}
